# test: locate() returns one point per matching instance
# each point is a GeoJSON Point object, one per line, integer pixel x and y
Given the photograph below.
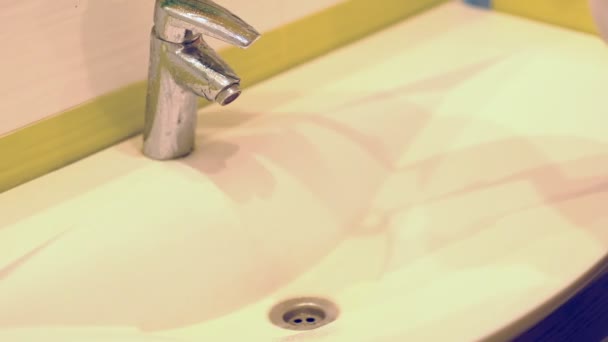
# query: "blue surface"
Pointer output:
{"type": "Point", "coordinates": [584, 318]}
{"type": "Point", "coordinates": [480, 3]}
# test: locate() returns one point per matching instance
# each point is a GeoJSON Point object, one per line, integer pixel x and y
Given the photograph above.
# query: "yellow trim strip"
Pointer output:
{"type": "Point", "coordinates": [62, 139]}
{"type": "Point", "coordinates": [65, 138]}
{"type": "Point", "coordinates": [574, 14]}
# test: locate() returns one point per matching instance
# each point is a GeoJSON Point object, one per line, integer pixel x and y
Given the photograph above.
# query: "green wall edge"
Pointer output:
{"type": "Point", "coordinates": [572, 14]}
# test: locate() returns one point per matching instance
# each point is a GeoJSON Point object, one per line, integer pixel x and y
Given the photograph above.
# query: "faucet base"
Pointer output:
{"type": "Point", "coordinates": [164, 156]}
{"type": "Point", "coordinates": [170, 133]}
{"type": "Point", "coordinates": [171, 113]}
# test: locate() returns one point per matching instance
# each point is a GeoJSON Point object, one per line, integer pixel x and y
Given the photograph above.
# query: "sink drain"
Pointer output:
{"type": "Point", "coordinates": [306, 313]}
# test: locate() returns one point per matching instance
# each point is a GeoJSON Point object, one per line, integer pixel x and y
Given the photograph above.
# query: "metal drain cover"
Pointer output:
{"type": "Point", "coordinates": [306, 313]}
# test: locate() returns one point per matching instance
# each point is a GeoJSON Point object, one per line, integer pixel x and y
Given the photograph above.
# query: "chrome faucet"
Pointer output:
{"type": "Point", "coordinates": [183, 67]}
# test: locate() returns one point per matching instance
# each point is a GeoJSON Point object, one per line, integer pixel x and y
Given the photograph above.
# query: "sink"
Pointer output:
{"type": "Point", "coordinates": [431, 198]}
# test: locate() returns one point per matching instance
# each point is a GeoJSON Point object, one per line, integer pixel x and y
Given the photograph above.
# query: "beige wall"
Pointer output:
{"type": "Point", "coordinates": [57, 54]}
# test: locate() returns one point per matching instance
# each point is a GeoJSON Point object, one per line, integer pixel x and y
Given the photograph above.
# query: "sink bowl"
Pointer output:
{"type": "Point", "coordinates": [436, 205]}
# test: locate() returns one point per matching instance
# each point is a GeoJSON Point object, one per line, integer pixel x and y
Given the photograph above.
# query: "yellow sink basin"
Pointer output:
{"type": "Point", "coordinates": [434, 181]}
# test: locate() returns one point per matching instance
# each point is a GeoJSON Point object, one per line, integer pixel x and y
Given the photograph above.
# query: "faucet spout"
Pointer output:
{"type": "Point", "coordinates": [183, 68]}
{"type": "Point", "coordinates": [199, 68]}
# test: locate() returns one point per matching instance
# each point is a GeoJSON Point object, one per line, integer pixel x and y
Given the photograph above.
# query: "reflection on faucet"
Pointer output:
{"type": "Point", "coordinates": [183, 67]}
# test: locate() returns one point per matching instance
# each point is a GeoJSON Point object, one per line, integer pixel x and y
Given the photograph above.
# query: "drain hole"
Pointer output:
{"type": "Point", "coordinates": [304, 313]}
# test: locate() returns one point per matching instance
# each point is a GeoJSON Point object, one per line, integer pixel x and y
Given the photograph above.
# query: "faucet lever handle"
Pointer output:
{"type": "Point", "coordinates": [183, 21]}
